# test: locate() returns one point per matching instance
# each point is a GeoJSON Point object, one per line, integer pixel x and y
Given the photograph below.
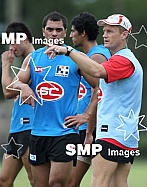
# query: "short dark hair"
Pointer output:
{"type": "Point", "coordinates": [88, 23]}
{"type": "Point", "coordinates": [17, 27]}
{"type": "Point", "coordinates": [55, 16]}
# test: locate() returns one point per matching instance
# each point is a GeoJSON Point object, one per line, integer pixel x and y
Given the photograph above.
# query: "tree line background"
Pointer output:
{"type": "Point", "coordinates": [32, 13]}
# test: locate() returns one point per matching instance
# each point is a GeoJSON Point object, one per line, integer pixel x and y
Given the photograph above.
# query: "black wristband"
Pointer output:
{"type": "Point", "coordinates": [69, 49]}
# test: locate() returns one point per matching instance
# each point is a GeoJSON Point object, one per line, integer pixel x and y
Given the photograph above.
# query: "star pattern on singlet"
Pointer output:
{"type": "Point", "coordinates": [126, 125]}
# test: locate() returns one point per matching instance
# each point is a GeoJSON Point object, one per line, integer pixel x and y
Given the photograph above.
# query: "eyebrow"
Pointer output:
{"type": "Point", "coordinates": [57, 29]}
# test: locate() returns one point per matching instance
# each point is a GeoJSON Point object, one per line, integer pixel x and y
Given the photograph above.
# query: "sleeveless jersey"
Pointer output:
{"type": "Point", "coordinates": [22, 117]}
{"type": "Point", "coordinates": [119, 108]}
{"type": "Point", "coordinates": [85, 88]}
{"type": "Point", "coordinates": [55, 83]}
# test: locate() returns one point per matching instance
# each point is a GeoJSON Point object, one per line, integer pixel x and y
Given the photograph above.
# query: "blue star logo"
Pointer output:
{"type": "Point", "coordinates": [126, 121]}
{"type": "Point", "coordinates": [15, 146]}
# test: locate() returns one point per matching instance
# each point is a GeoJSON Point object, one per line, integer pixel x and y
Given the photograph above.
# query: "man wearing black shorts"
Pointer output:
{"type": "Point", "coordinates": [17, 149]}
{"type": "Point", "coordinates": [55, 86]}
{"type": "Point", "coordinates": [84, 32]}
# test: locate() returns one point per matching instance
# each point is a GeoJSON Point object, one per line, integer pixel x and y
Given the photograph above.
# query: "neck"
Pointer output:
{"type": "Point", "coordinates": [87, 45]}
{"type": "Point", "coordinates": [118, 49]}
{"type": "Point", "coordinates": [28, 50]}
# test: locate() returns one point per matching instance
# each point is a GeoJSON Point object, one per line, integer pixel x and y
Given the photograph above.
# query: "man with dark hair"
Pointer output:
{"type": "Point", "coordinates": [118, 112]}
{"type": "Point", "coordinates": [55, 16]}
{"type": "Point", "coordinates": [84, 32]}
{"type": "Point", "coordinates": [22, 115]}
{"type": "Point", "coordinates": [17, 27]}
{"type": "Point", "coordinates": [55, 86]}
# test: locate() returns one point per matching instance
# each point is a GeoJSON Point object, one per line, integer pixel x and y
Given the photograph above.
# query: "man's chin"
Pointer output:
{"type": "Point", "coordinates": [17, 55]}
{"type": "Point", "coordinates": [106, 45]}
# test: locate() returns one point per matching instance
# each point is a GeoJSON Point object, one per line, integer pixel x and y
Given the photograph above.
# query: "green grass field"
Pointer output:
{"type": "Point", "coordinates": [137, 177]}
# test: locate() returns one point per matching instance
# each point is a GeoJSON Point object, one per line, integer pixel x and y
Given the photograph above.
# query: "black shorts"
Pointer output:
{"type": "Point", "coordinates": [45, 148]}
{"type": "Point", "coordinates": [19, 143]}
{"type": "Point", "coordinates": [82, 135]}
{"type": "Point", "coordinates": [114, 153]}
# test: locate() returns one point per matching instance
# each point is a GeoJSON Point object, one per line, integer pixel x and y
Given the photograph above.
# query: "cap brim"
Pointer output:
{"type": "Point", "coordinates": [101, 22]}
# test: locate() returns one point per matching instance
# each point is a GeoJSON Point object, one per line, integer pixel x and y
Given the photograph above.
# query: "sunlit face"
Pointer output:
{"type": "Point", "coordinates": [19, 49]}
{"type": "Point", "coordinates": [76, 37]}
{"type": "Point", "coordinates": [112, 37]}
{"type": "Point", "coordinates": [54, 30]}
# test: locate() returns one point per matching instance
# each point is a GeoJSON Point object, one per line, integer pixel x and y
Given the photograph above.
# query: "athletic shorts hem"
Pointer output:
{"type": "Point", "coordinates": [119, 154]}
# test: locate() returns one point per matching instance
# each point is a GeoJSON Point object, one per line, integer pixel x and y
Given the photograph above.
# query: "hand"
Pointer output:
{"type": "Point", "coordinates": [7, 57]}
{"type": "Point", "coordinates": [77, 120]}
{"type": "Point", "coordinates": [54, 50]}
{"type": "Point", "coordinates": [27, 95]}
{"type": "Point", "coordinates": [88, 138]}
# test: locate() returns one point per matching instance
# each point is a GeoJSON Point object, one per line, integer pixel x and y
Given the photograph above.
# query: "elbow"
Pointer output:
{"type": "Point", "coordinates": [96, 74]}
{"type": "Point", "coordinates": [99, 73]}
{"type": "Point", "coordinates": [9, 95]}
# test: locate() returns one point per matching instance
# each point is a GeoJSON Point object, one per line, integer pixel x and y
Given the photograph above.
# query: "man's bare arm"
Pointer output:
{"type": "Point", "coordinates": [22, 84]}
{"type": "Point", "coordinates": [7, 59]}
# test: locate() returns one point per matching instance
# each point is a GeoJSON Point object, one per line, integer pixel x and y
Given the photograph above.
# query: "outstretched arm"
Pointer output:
{"type": "Point", "coordinates": [88, 65]}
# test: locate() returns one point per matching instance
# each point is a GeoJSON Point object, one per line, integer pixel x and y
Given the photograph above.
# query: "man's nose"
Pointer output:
{"type": "Point", "coordinates": [54, 32]}
{"type": "Point", "coordinates": [11, 47]}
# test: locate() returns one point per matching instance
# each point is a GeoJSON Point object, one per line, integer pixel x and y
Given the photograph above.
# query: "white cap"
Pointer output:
{"type": "Point", "coordinates": [116, 19]}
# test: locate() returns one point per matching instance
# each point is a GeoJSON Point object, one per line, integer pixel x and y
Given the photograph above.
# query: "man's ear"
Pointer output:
{"type": "Point", "coordinates": [83, 34]}
{"type": "Point", "coordinates": [65, 33]}
{"type": "Point", "coordinates": [124, 35]}
{"type": "Point", "coordinates": [43, 32]}
{"type": "Point", "coordinates": [26, 40]}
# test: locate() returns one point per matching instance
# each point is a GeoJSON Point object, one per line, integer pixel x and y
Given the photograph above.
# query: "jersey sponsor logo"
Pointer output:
{"type": "Point", "coordinates": [62, 71]}
{"type": "Point", "coordinates": [49, 91]}
{"type": "Point", "coordinates": [38, 69]}
{"type": "Point", "coordinates": [104, 128]}
{"type": "Point", "coordinates": [82, 91]}
{"type": "Point", "coordinates": [100, 94]}
{"type": "Point", "coordinates": [24, 120]}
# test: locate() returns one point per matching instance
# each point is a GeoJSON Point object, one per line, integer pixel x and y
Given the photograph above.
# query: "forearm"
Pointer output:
{"type": "Point", "coordinates": [6, 82]}
{"type": "Point", "coordinates": [93, 103]}
{"type": "Point", "coordinates": [86, 64]}
{"type": "Point", "coordinates": [17, 86]}
{"type": "Point", "coordinates": [27, 94]}
{"type": "Point", "coordinates": [92, 111]}
{"type": "Point", "coordinates": [90, 128]}
{"type": "Point", "coordinates": [92, 122]}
